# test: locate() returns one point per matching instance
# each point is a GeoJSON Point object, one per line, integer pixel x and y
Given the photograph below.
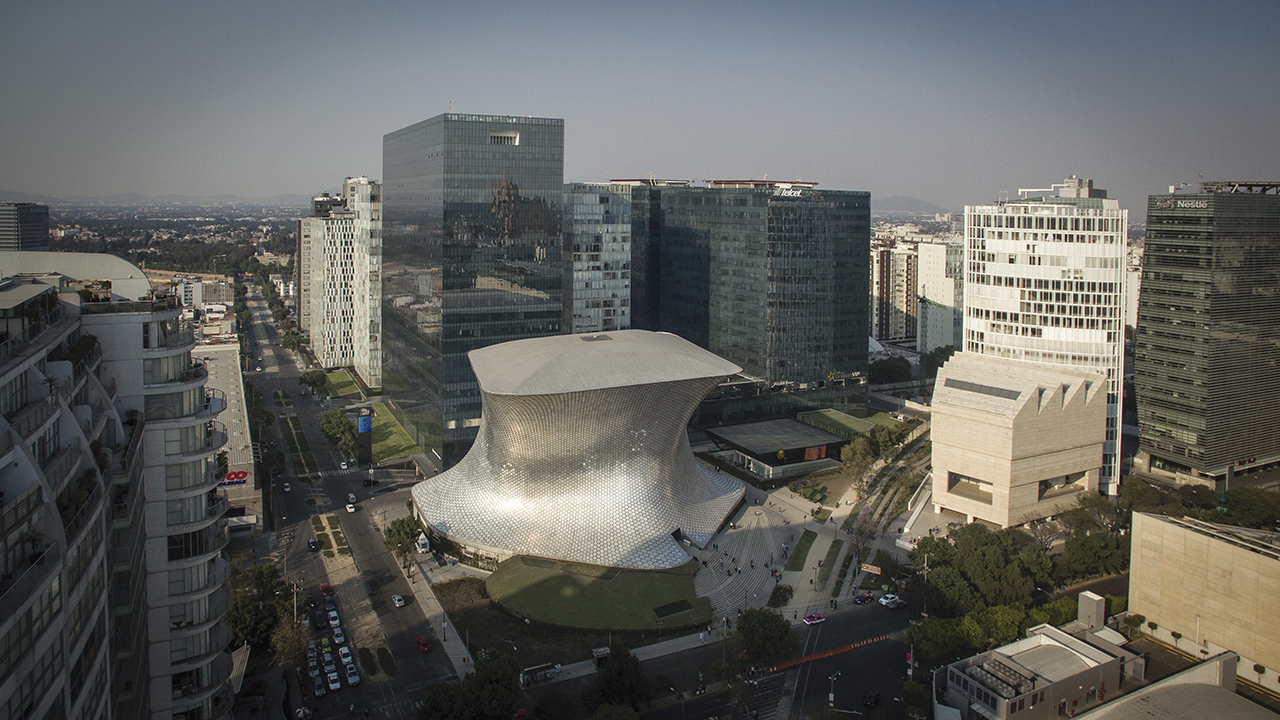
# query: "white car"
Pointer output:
{"type": "Point", "coordinates": [888, 599]}
{"type": "Point", "coordinates": [343, 464]}
{"type": "Point", "coordinates": [344, 654]}
{"type": "Point", "coordinates": [353, 675]}
{"type": "Point", "coordinates": [333, 618]}
{"type": "Point", "coordinates": [339, 637]}
{"type": "Point", "coordinates": [351, 508]}
{"type": "Point", "coordinates": [397, 600]}
{"type": "Point", "coordinates": [287, 488]}
{"type": "Point", "coordinates": [329, 664]}
{"type": "Point", "coordinates": [351, 497]}
{"type": "Point", "coordinates": [334, 683]}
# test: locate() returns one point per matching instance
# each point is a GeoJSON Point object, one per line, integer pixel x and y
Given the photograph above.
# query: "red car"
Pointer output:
{"type": "Point", "coordinates": [423, 645]}
{"type": "Point", "coordinates": [325, 590]}
{"type": "Point", "coordinates": [814, 619]}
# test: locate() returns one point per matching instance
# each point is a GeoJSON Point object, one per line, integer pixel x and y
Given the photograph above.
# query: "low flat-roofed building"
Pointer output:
{"type": "Point", "coordinates": [1014, 441]}
{"type": "Point", "coordinates": [1209, 588]}
{"type": "Point", "coordinates": [779, 448]}
{"type": "Point", "coordinates": [1049, 673]}
{"type": "Point", "coordinates": [239, 481]}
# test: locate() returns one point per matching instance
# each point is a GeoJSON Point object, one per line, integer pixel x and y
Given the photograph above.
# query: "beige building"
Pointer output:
{"type": "Point", "coordinates": [1014, 441]}
{"type": "Point", "coordinates": [1209, 588]}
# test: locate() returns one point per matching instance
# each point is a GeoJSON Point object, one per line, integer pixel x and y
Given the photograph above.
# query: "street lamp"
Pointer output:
{"type": "Point", "coordinates": [831, 696]}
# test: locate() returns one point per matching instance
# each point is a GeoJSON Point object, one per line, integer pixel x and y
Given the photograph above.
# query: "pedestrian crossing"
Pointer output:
{"type": "Point", "coordinates": [770, 694]}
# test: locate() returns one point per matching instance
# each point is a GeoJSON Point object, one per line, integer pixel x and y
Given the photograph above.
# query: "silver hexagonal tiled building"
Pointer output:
{"type": "Point", "coordinates": [583, 455]}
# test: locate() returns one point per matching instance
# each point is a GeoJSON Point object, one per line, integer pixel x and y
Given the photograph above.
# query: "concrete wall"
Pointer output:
{"type": "Point", "coordinates": [1214, 593]}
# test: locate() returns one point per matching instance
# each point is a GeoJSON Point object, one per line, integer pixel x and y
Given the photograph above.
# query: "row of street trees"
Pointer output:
{"type": "Point", "coordinates": [263, 613]}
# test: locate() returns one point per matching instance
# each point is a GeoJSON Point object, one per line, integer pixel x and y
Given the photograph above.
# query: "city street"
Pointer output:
{"type": "Point", "coordinates": [290, 514]}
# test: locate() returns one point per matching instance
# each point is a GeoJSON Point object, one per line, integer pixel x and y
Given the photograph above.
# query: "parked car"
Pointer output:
{"type": "Point", "coordinates": [334, 683]}
{"type": "Point", "coordinates": [319, 688]}
{"type": "Point", "coordinates": [325, 589]}
{"type": "Point", "coordinates": [313, 546]}
{"type": "Point", "coordinates": [321, 621]}
{"type": "Point", "coordinates": [353, 675]}
{"type": "Point", "coordinates": [344, 654]}
{"type": "Point", "coordinates": [864, 598]}
{"type": "Point", "coordinates": [351, 508]}
{"type": "Point", "coordinates": [888, 598]}
{"type": "Point", "coordinates": [329, 664]}
{"type": "Point", "coordinates": [333, 618]}
{"type": "Point", "coordinates": [351, 497]}
{"type": "Point", "coordinates": [397, 600]}
{"type": "Point", "coordinates": [313, 668]}
{"type": "Point", "coordinates": [872, 698]}
{"type": "Point", "coordinates": [897, 604]}
{"type": "Point", "coordinates": [339, 637]}
{"type": "Point", "coordinates": [329, 604]}
{"type": "Point", "coordinates": [343, 464]}
{"type": "Point", "coordinates": [423, 645]}
{"type": "Point", "coordinates": [814, 619]}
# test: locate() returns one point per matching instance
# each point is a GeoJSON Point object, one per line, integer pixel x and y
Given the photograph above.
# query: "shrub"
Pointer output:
{"type": "Point", "coordinates": [387, 661]}
{"type": "Point", "coordinates": [366, 661]}
{"type": "Point", "coordinates": [780, 596]}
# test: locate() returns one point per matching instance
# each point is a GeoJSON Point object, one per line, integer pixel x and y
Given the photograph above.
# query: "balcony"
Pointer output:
{"type": "Point", "coordinates": [219, 671]}
{"type": "Point", "coordinates": [83, 505]}
{"type": "Point", "coordinates": [61, 464]}
{"type": "Point", "coordinates": [215, 401]}
{"type": "Point", "coordinates": [219, 638]}
{"type": "Point", "coordinates": [193, 375]}
{"type": "Point", "coordinates": [218, 570]}
{"type": "Point", "coordinates": [31, 417]}
{"type": "Point", "coordinates": [219, 604]}
{"type": "Point", "coordinates": [16, 343]}
{"type": "Point", "coordinates": [29, 575]}
{"type": "Point", "coordinates": [16, 510]}
{"type": "Point", "coordinates": [215, 437]}
{"type": "Point", "coordinates": [159, 304]}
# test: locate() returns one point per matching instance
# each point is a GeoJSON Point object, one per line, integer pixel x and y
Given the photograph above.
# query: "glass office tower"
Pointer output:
{"type": "Point", "coordinates": [1044, 283]}
{"type": "Point", "coordinates": [472, 208]}
{"type": "Point", "coordinates": [1206, 364]}
{"type": "Point", "coordinates": [771, 276]}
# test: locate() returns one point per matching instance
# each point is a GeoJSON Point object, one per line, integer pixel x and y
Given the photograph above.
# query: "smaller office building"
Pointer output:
{"type": "Point", "coordinates": [779, 448]}
{"type": "Point", "coordinates": [1014, 441]}
{"type": "Point", "coordinates": [1049, 673]}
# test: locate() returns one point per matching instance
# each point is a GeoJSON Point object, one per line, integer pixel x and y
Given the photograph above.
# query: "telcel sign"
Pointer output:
{"type": "Point", "coordinates": [786, 192]}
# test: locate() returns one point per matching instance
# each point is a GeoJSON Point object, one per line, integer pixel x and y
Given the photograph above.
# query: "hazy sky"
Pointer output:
{"type": "Point", "coordinates": [950, 102]}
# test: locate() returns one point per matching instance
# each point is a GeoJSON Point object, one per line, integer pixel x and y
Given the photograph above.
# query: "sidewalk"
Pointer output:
{"type": "Point", "coordinates": [452, 644]}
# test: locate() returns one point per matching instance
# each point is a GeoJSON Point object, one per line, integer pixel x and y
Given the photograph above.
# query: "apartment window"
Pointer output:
{"type": "Point", "coordinates": [506, 137]}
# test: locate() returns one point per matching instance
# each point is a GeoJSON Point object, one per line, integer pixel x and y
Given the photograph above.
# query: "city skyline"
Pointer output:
{"type": "Point", "coordinates": [956, 106]}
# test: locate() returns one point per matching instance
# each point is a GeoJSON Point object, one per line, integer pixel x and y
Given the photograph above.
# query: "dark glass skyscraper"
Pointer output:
{"type": "Point", "coordinates": [770, 276]}
{"type": "Point", "coordinates": [471, 257]}
{"type": "Point", "coordinates": [1207, 355]}
{"type": "Point", "coordinates": [24, 226]}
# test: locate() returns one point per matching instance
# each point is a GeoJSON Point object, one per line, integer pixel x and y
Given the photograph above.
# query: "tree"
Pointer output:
{"type": "Point", "coordinates": [766, 634]}
{"type": "Point", "coordinates": [1093, 512]}
{"type": "Point", "coordinates": [889, 370]}
{"type": "Point", "coordinates": [948, 594]}
{"type": "Point", "coordinates": [555, 704]}
{"type": "Point", "coordinates": [443, 701]}
{"type": "Point", "coordinates": [780, 596]}
{"type": "Point", "coordinates": [936, 638]}
{"type": "Point", "coordinates": [862, 532]}
{"type": "Point", "coordinates": [291, 341]}
{"type": "Point", "coordinates": [313, 378]}
{"type": "Point", "coordinates": [620, 682]}
{"type": "Point", "coordinates": [256, 603]}
{"type": "Point", "coordinates": [401, 532]}
{"type": "Point", "coordinates": [289, 642]}
{"type": "Point", "coordinates": [1097, 553]}
{"type": "Point", "coordinates": [1042, 532]}
{"type": "Point", "coordinates": [339, 430]}
{"type": "Point", "coordinates": [493, 690]}
{"type": "Point", "coordinates": [856, 458]}
{"type": "Point", "coordinates": [934, 359]}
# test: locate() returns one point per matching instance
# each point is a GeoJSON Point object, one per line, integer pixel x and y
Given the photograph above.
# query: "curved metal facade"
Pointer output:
{"type": "Point", "coordinates": [602, 476]}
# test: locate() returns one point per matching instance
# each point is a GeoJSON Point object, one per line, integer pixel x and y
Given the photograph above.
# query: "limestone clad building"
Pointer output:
{"type": "Point", "coordinates": [1014, 441]}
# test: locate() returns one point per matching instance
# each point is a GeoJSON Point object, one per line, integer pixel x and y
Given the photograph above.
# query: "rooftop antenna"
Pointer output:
{"type": "Point", "coordinates": [450, 106]}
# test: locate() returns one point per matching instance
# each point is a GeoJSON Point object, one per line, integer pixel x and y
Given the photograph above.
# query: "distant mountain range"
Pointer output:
{"type": "Point", "coordinates": [127, 199]}
{"type": "Point", "coordinates": [902, 204]}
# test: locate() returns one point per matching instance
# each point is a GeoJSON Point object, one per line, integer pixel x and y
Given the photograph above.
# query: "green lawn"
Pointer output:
{"type": "Point", "coordinates": [339, 382]}
{"type": "Point", "coordinates": [390, 441]}
{"type": "Point", "coordinates": [829, 563]}
{"type": "Point", "coordinates": [586, 596]}
{"type": "Point", "coordinates": [801, 551]}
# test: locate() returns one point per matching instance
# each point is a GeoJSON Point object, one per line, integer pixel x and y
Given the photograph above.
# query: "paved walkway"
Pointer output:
{"type": "Point", "coordinates": [450, 642]}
